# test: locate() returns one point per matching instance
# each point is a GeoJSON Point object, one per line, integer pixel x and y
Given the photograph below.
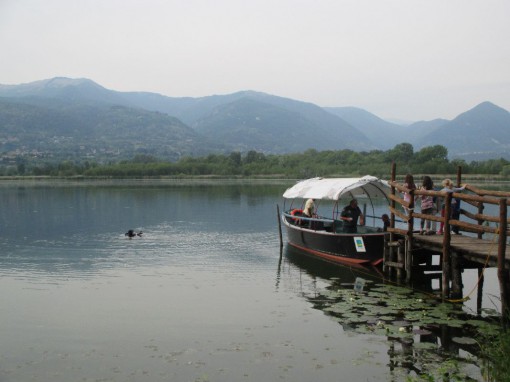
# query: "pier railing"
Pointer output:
{"type": "Point", "coordinates": [475, 222]}
{"type": "Point", "coordinates": [478, 222]}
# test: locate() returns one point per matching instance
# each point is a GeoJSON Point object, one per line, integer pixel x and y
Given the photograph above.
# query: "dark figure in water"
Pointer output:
{"type": "Point", "coordinates": [131, 233]}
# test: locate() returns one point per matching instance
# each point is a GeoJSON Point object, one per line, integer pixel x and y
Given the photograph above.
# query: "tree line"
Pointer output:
{"type": "Point", "coordinates": [428, 160]}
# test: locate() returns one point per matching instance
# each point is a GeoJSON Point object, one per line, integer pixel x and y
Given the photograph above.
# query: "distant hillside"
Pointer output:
{"type": "Point", "coordinates": [61, 88]}
{"type": "Point", "coordinates": [478, 134]}
{"type": "Point", "coordinates": [249, 124]}
{"type": "Point", "coordinates": [289, 125]}
{"type": "Point", "coordinates": [126, 123]}
{"type": "Point", "coordinates": [251, 120]}
{"type": "Point", "coordinates": [382, 134]}
{"type": "Point", "coordinates": [80, 131]}
{"type": "Point", "coordinates": [418, 130]}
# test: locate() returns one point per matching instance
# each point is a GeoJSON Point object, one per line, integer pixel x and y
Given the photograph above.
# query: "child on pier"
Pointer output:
{"type": "Point", "coordinates": [427, 205]}
{"type": "Point", "coordinates": [409, 184]}
{"type": "Point", "coordinates": [455, 210]}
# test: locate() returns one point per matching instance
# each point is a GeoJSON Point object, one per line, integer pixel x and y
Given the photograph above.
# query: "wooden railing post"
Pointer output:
{"type": "Point", "coordinates": [393, 177]}
{"type": "Point", "coordinates": [480, 222]}
{"type": "Point", "coordinates": [409, 242]}
{"type": "Point", "coordinates": [446, 247]}
{"type": "Point", "coordinates": [502, 272]}
{"type": "Point", "coordinates": [390, 249]}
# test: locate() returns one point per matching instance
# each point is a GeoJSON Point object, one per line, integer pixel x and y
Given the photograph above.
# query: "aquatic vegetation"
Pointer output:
{"type": "Point", "coordinates": [495, 350]}
{"type": "Point", "coordinates": [428, 339]}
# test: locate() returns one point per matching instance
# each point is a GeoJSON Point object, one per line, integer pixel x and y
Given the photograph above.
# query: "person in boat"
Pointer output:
{"type": "Point", "coordinates": [309, 209]}
{"type": "Point", "coordinates": [386, 222]}
{"type": "Point", "coordinates": [350, 215]}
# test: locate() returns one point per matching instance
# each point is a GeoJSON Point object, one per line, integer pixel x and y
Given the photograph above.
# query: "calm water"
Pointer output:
{"type": "Point", "coordinates": [203, 295]}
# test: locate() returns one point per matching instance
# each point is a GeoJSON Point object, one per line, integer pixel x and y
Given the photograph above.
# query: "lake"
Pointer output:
{"type": "Point", "coordinates": [204, 294]}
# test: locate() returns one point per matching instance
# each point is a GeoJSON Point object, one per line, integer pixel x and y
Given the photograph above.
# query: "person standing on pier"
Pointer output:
{"type": "Point", "coordinates": [455, 210]}
{"type": "Point", "coordinates": [410, 185]}
{"type": "Point", "coordinates": [427, 205]}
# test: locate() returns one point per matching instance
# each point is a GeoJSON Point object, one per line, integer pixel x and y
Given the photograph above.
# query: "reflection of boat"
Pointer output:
{"type": "Point", "coordinates": [326, 237]}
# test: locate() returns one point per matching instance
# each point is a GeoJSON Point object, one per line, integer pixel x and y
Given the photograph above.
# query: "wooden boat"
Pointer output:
{"type": "Point", "coordinates": [325, 236]}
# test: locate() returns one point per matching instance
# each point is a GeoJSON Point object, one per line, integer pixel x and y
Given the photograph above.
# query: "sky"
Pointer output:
{"type": "Point", "coordinates": [409, 60]}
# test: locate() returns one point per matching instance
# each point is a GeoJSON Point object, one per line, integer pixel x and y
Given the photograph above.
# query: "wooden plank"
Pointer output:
{"type": "Point", "coordinates": [474, 227]}
{"type": "Point", "coordinates": [483, 217]}
{"type": "Point", "coordinates": [479, 191]}
{"type": "Point", "coordinates": [401, 215]}
{"type": "Point", "coordinates": [480, 217]}
{"type": "Point", "coordinates": [398, 186]}
{"type": "Point", "coordinates": [428, 217]}
{"type": "Point", "coordinates": [399, 200]}
{"type": "Point", "coordinates": [476, 198]}
{"type": "Point", "coordinates": [394, 264]}
{"type": "Point", "coordinates": [398, 231]}
{"type": "Point", "coordinates": [474, 204]}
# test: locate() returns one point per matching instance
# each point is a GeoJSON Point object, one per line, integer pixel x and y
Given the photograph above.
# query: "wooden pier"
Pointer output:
{"type": "Point", "coordinates": [482, 242]}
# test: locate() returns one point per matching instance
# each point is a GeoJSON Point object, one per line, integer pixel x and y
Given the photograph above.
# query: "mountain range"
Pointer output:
{"type": "Point", "coordinates": [79, 119]}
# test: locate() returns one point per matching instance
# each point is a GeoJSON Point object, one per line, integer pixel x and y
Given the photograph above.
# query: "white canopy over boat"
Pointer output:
{"type": "Point", "coordinates": [336, 188]}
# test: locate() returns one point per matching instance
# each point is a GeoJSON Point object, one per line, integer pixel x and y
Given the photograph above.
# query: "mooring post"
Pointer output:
{"type": "Point", "coordinates": [502, 272]}
{"type": "Point", "coordinates": [456, 269]}
{"type": "Point", "coordinates": [479, 296]}
{"type": "Point", "coordinates": [385, 253]}
{"type": "Point", "coordinates": [446, 247]}
{"type": "Point", "coordinates": [279, 224]}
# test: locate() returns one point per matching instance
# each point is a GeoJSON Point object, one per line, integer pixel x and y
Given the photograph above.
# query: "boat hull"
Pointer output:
{"type": "Point", "coordinates": [357, 248]}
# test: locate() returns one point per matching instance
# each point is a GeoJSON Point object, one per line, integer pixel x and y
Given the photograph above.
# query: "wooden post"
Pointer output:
{"type": "Point", "coordinates": [480, 222]}
{"type": "Point", "coordinates": [279, 224]}
{"type": "Point", "coordinates": [456, 270]}
{"type": "Point", "coordinates": [385, 254]}
{"type": "Point", "coordinates": [408, 261]}
{"type": "Point", "coordinates": [409, 242]}
{"type": "Point", "coordinates": [446, 246]}
{"type": "Point", "coordinates": [456, 262]}
{"type": "Point", "coordinates": [392, 203]}
{"type": "Point", "coordinates": [502, 272]}
{"type": "Point", "coordinates": [400, 260]}
{"type": "Point", "coordinates": [480, 291]}
{"type": "Point", "coordinates": [391, 250]}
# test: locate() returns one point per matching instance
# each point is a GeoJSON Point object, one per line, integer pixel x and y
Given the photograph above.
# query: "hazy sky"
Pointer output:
{"type": "Point", "coordinates": [406, 59]}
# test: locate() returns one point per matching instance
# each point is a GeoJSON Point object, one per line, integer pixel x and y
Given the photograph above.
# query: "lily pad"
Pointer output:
{"type": "Point", "coordinates": [425, 345]}
{"type": "Point", "coordinates": [464, 340]}
{"type": "Point", "coordinates": [422, 332]}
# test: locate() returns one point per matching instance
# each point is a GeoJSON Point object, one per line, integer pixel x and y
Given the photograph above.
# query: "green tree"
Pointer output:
{"type": "Point", "coordinates": [403, 152]}
{"type": "Point", "coordinates": [430, 153]}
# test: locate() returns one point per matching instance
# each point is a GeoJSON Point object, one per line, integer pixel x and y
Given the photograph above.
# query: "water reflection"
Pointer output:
{"type": "Point", "coordinates": [78, 230]}
{"type": "Point", "coordinates": [424, 336]}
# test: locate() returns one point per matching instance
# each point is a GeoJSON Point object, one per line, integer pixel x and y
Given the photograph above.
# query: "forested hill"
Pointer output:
{"type": "Point", "coordinates": [94, 132]}
{"type": "Point", "coordinates": [78, 119]}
